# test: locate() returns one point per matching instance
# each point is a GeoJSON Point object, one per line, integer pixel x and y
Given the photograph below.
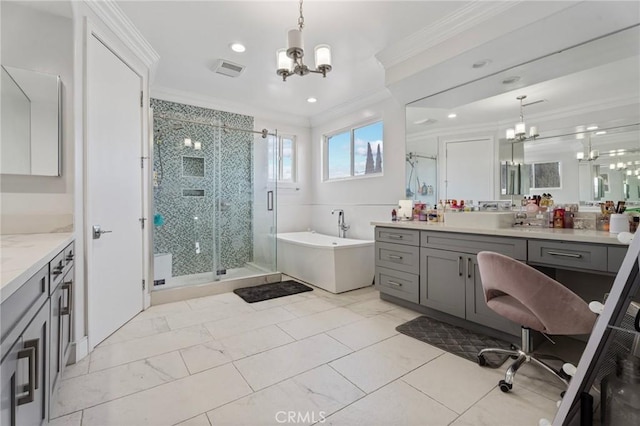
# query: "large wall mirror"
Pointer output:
{"type": "Point", "coordinates": [31, 122]}
{"type": "Point", "coordinates": [584, 106]}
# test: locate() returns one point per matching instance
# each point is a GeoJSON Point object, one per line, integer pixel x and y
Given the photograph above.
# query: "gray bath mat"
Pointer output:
{"type": "Point", "coordinates": [271, 291]}
{"type": "Point", "coordinates": [457, 340]}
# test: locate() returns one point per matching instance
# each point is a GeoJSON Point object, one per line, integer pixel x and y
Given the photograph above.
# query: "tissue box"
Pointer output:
{"type": "Point", "coordinates": [479, 220]}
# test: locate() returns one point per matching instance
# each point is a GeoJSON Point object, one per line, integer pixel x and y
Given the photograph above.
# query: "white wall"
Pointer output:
{"type": "Point", "coordinates": [363, 199]}
{"type": "Point", "coordinates": [42, 42]}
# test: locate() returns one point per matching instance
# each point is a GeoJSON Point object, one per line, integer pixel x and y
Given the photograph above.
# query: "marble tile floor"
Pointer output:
{"type": "Point", "coordinates": [310, 358]}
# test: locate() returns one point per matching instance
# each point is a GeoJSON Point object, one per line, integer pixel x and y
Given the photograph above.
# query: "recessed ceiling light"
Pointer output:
{"type": "Point", "coordinates": [601, 132]}
{"type": "Point", "coordinates": [481, 63]}
{"type": "Point", "coordinates": [238, 47]}
{"type": "Point", "coordinates": [312, 100]}
{"type": "Point", "coordinates": [592, 127]}
{"type": "Point", "coordinates": [452, 115]}
{"type": "Point", "coordinates": [510, 80]}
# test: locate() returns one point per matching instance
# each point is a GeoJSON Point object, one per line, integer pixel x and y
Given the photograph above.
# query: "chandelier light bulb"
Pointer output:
{"type": "Point", "coordinates": [323, 55]}
{"type": "Point", "coordinates": [520, 129]}
{"type": "Point", "coordinates": [187, 142]}
{"type": "Point", "coordinates": [295, 42]}
{"type": "Point", "coordinates": [284, 62]}
{"type": "Point", "coordinates": [511, 134]}
{"type": "Point", "coordinates": [580, 155]}
{"type": "Point", "coordinates": [197, 145]}
{"type": "Point", "coordinates": [612, 166]}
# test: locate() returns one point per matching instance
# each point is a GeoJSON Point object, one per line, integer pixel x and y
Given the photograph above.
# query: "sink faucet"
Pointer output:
{"type": "Point", "coordinates": [342, 227]}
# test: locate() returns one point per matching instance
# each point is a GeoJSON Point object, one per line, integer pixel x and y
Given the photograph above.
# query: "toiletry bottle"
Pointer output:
{"type": "Point", "coordinates": [394, 215]}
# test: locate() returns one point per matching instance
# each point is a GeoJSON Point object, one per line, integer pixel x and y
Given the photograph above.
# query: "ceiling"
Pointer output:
{"type": "Point", "coordinates": [191, 36]}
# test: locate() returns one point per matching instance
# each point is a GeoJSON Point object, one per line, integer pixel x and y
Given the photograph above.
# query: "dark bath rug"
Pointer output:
{"type": "Point", "coordinates": [457, 340]}
{"type": "Point", "coordinates": [271, 291]}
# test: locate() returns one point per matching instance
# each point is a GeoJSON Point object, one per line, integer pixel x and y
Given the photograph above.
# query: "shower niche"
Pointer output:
{"type": "Point", "coordinates": [192, 167]}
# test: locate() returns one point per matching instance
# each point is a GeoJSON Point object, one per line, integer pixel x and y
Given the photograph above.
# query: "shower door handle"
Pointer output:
{"type": "Point", "coordinates": [269, 200]}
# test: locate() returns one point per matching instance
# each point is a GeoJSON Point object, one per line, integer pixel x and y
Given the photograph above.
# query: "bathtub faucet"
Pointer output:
{"type": "Point", "coordinates": [342, 227]}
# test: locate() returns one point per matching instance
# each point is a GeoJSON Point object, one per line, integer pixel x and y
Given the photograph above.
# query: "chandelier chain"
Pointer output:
{"type": "Point", "coordinates": [301, 18]}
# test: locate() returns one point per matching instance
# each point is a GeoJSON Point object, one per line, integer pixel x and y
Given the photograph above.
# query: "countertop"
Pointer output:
{"type": "Point", "coordinates": [22, 255]}
{"type": "Point", "coordinates": [571, 235]}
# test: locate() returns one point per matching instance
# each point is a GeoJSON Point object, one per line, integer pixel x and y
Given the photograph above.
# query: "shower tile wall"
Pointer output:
{"type": "Point", "coordinates": [189, 217]}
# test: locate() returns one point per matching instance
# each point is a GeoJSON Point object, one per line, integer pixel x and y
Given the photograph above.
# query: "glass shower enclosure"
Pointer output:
{"type": "Point", "coordinates": [214, 204]}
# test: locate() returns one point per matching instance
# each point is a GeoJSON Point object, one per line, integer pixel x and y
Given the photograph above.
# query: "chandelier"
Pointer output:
{"type": "Point", "coordinates": [519, 132]}
{"type": "Point", "coordinates": [591, 154]}
{"type": "Point", "coordinates": [290, 59]}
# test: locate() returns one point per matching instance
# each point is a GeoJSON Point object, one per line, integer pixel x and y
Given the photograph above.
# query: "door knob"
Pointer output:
{"type": "Point", "coordinates": [97, 232]}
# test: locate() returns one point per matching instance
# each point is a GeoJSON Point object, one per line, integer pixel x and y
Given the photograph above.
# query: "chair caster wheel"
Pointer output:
{"type": "Point", "coordinates": [504, 386]}
{"type": "Point", "coordinates": [482, 360]}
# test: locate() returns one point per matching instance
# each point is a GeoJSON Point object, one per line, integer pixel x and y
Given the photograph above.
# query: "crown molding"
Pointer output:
{"type": "Point", "coordinates": [183, 97]}
{"type": "Point", "coordinates": [468, 16]}
{"type": "Point", "coordinates": [116, 20]}
{"type": "Point", "coordinates": [350, 106]}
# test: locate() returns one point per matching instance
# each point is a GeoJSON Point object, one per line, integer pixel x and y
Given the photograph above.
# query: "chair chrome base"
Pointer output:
{"type": "Point", "coordinates": [522, 356]}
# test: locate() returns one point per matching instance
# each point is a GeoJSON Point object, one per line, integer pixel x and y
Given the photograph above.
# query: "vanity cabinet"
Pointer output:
{"type": "Point", "coordinates": [36, 327]}
{"type": "Point", "coordinates": [24, 392]}
{"type": "Point", "coordinates": [438, 270]}
{"type": "Point", "coordinates": [450, 279]}
{"type": "Point", "coordinates": [398, 263]}
{"type": "Point", "coordinates": [61, 314]}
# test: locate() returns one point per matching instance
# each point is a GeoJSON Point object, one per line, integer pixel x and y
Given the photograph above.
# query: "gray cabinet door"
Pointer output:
{"type": "Point", "coordinates": [32, 392]}
{"type": "Point", "coordinates": [477, 309]}
{"type": "Point", "coordinates": [442, 281]}
{"type": "Point", "coordinates": [8, 385]}
{"type": "Point", "coordinates": [57, 332]}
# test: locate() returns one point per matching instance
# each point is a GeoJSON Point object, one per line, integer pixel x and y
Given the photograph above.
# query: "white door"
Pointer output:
{"type": "Point", "coordinates": [469, 170]}
{"type": "Point", "coordinates": [113, 191]}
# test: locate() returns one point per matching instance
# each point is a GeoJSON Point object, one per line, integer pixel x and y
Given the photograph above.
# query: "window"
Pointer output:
{"type": "Point", "coordinates": [285, 167]}
{"type": "Point", "coordinates": [354, 152]}
{"type": "Point", "coordinates": [545, 175]}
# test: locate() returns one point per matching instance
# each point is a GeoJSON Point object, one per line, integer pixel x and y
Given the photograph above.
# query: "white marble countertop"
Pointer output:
{"type": "Point", "coordinates": [22, 255]}
{"type": "Point", "coordinates": [570, 235]}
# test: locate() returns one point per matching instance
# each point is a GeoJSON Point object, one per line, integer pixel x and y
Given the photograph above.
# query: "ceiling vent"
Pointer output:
{"type": "Point", "coordinates": [228, 68]}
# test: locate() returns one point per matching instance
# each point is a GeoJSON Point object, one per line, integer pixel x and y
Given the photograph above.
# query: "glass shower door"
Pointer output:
{"type": "Point", "coordinates": [265, 196]}
{"type": "Point", "coordinates": [245, 206]}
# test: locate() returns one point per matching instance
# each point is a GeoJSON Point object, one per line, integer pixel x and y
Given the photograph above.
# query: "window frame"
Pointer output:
{"type": "Point", "coordinates": [278, 167]}
{"type": "Point", "coordinates": [351, 131]}
{"type": "Point", "coordinates": [294, 159]}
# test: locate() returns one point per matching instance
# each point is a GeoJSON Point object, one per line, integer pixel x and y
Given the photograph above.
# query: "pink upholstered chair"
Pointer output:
{"type": "Point", "coordinates": [530, 298]}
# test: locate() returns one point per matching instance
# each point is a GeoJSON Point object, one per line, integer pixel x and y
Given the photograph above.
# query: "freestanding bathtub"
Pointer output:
{"type": "Point", "coordinates": [331, 263]}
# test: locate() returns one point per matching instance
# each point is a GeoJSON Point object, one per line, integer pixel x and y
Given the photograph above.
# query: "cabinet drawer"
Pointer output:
{"type": "Point", "coordinates": [568, 255]}
{"type": "Point", "coordinates": [472, 244]}
{"type": "Point", "coordinates": [34, 292]}
{"type": "Point", "coordinates": [56, 270]}
{"type": "Point", "coordinates": [615, 256]}
{"type": "Point", "coordinates": [399, 236]}
{"type": "Point", "coordinates": [69, 254]}
{"type": "Point", "coordinates": [398, 256]}
{"type": "Point", "coordinates": [399, 284]}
